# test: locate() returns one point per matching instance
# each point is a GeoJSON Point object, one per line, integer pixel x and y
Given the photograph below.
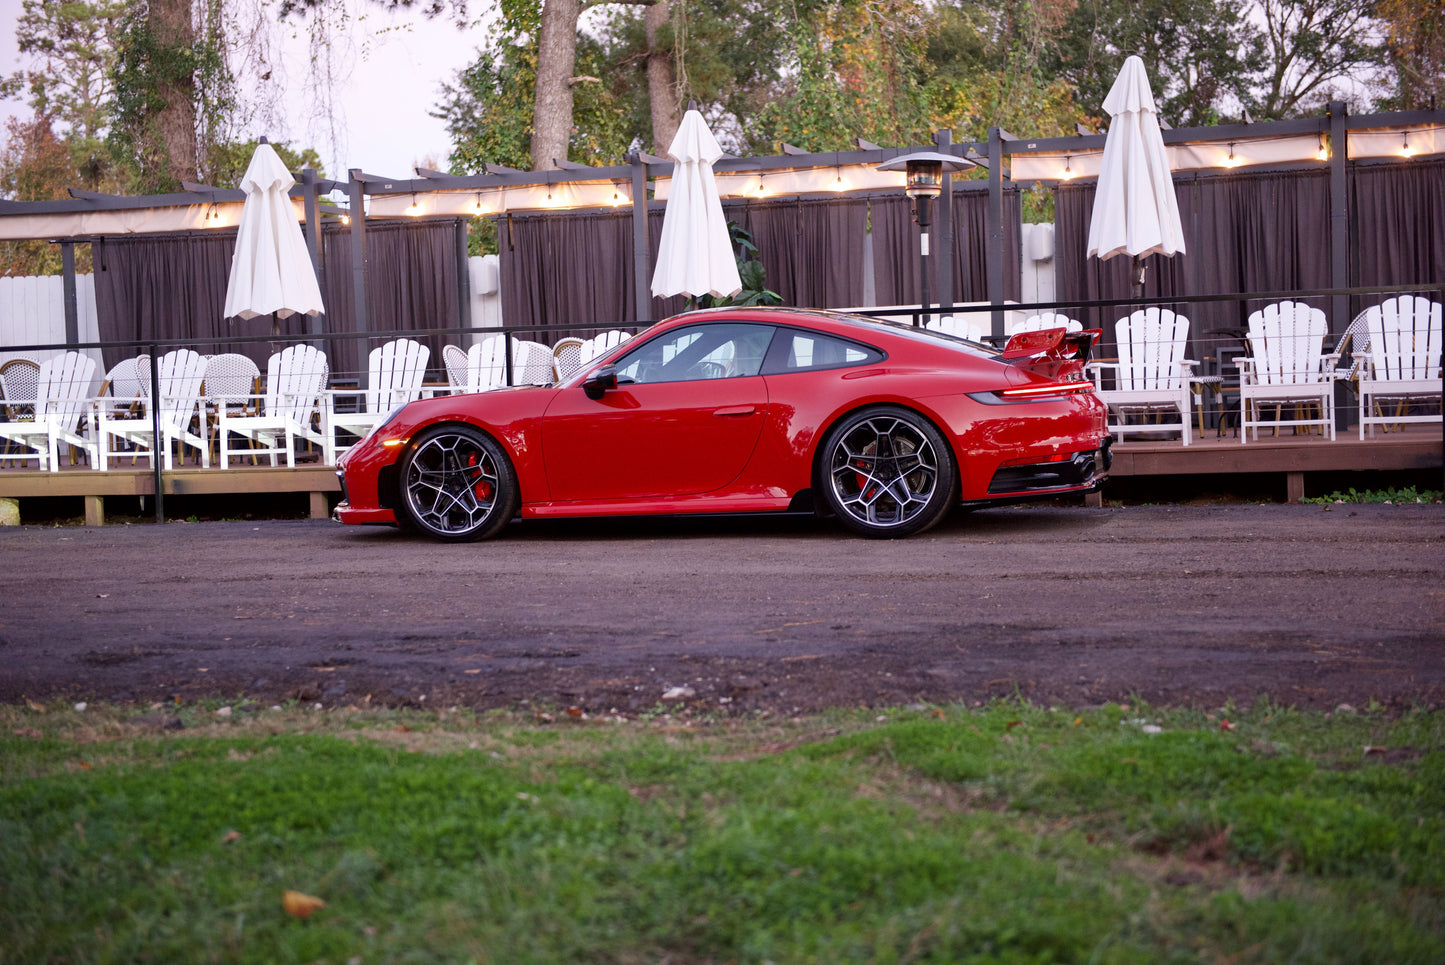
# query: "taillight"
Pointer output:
{"type": "Point", "coordinates": [1046, 389]}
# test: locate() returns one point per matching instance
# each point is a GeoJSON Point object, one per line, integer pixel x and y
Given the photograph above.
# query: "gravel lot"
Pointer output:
{"type": "Point", "coordinates": [1309, 605]}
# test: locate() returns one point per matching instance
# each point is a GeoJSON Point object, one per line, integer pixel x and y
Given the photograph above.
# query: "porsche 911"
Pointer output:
{"type": "Point", "coordinates": [884, 426]}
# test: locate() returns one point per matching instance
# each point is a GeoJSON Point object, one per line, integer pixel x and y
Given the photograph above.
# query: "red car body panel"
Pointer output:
{"type": "Point", "coordinates": [743, 444]}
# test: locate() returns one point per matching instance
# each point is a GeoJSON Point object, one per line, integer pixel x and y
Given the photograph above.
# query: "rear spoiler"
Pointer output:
{"type": "Point", "coordinates": [1054, 352]}
{"type": "Point", "coordinates": [1056, 343]}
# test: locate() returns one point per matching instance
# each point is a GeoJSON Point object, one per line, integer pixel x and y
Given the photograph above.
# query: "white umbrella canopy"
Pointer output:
{"type": "Point", "coordinates": [695, 256]}
{"type": "Point", "coordinates": [271, 271]}
{"type": "Point", "coordinates": [1135, 209]}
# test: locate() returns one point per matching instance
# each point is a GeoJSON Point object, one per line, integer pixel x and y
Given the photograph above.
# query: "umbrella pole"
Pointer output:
{"type": "Point", "coordinates": [1138, 276]}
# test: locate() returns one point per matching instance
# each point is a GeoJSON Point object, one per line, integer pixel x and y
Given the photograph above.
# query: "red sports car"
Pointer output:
{"type": "Point", "coordinates": [747, 410]}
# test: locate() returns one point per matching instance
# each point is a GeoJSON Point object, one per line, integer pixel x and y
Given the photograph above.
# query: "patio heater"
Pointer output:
{"type": "Point", "coordinates": [923, 173]}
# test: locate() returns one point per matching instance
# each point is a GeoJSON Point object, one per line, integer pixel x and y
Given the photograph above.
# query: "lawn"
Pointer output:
{"type": "Point", "coordinates": [1007, 833]}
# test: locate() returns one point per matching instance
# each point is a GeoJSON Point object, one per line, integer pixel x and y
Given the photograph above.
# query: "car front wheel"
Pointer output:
{"type": "Point", "coordinates": [458, 485]}
{"type": "Point", "coordinates": [887, 472]}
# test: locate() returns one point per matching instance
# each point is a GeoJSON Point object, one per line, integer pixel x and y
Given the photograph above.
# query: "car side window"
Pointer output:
{"type": "Point", "coordinates": [796, 351]}
{"type": "Point", "coordinates": [721, 350]}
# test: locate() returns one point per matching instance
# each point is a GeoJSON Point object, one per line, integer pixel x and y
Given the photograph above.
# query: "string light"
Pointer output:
{"type": "Point", "coordinates": [1405, 149]}
{"type": "Point", "coordinates": [1068, 172]}
{"type": "Point", "coordinates": [477, 205]}
{"type": "Point", "coordinates": [1232, 161]}
{"type": "Point", "coordinates": [415, 208]}
{"type": "Point", "coordinates": [617, 198]}
{"type": "Point", "coordinates": [1324, 153]}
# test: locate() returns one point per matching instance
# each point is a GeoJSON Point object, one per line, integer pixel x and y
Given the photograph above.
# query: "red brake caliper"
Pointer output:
{"type": "Point", "coordinates": [483, 489]}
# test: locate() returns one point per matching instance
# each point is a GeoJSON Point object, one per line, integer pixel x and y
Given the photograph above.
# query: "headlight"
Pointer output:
{"type": "Point", "coordinates": [383, 423]}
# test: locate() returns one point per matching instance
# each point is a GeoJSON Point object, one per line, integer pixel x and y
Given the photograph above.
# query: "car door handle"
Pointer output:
{"type": "Point", "coordinates": [730, 410]}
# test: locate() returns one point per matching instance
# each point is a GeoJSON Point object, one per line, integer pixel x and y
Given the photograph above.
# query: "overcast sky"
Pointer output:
{"type": "Point", "coordinates": [394, 67]}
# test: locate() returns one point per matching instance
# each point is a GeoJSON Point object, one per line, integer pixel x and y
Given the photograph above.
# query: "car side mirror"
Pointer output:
{"type": "Point", "coordinates": [600, 381]}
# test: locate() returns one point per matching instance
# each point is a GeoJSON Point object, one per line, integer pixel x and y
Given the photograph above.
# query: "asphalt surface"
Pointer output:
{"type": "Point", "coordinates": [1308, 605]}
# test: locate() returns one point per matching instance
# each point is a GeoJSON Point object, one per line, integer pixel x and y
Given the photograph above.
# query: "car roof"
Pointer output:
{"type": "Point", "coordinates": [860, 327]}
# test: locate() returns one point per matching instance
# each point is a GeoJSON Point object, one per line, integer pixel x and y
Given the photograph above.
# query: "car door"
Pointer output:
{"type": "Point", "coordinates": [684, 419]}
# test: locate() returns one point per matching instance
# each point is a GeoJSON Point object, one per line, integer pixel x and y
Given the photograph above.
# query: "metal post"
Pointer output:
{"type": "Point", "coordinates": [995, 226]}
{"type": "Point", "coordinates": [923, 214]}
{"type": "Point", "coordinates": [358, 262]}
{"type": "Point", "coordinates": [640, 260]}
{"type": "Point", "coordinates": [317, 322]}
{"type": "Point", "coordinates": [1339, 237]}
{"type": "Point", "coordinates": [944, 139]}
{"type": "Point", "coordinates": [72, 312]}
{"type": "Point", "coordinates": [464, 277]}
{"type": "Point", "coordinates": [156, 433]}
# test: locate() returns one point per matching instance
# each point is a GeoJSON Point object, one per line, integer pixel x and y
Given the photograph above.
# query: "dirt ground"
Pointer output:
{"type": "Point", "coordinates": [1311, 606]}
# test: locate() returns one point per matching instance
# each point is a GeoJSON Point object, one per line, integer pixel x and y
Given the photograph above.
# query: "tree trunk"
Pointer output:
{"type": "Point", "coordinates": [171, 25]}
{"type": "Point", "coordinates": [661, 83]}
{"type": "Point", "coordinates": [556, 58]}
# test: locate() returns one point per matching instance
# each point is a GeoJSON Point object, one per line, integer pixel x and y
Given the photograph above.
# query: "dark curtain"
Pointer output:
{"type": "Point", "coordinates": [411, 283]}
{"type": "Point", "coordinates": [1397, 225]}
{"type": "Point", "coordinates": [811, 248]}
{"type": "Point", "coordinates": [567, 268]}
{"type": "Point", "coordinates": [897, 270]}
{"type": "Point", "coordinates": [1266, 231]}
{"type": "Point", "coordinates": [172, 287]}
{"type": "Point", "coordinates": [1089, 279]}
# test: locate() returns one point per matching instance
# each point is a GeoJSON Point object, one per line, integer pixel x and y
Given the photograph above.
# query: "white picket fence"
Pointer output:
{"type": "Point", "coordinates": [32, 312]}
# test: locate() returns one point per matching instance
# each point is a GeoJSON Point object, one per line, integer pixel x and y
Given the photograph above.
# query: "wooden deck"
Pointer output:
{"type": "Point", "coordinates": [1290, 457]}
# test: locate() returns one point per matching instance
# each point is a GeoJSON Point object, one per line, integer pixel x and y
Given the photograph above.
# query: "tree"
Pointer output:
{"type": "Point", "coordinates": [70, 81]}
{"type": "Point", "coordinates": [174, 92]}
{"type": "Point", "coordinates": [1414, 52]}
{"type": "Point", "coordinates": [1202, 55]}
{"type": "Point", "coordinates": [1312, 44]}
{"type": "Point", "coordinates": [34, 166]}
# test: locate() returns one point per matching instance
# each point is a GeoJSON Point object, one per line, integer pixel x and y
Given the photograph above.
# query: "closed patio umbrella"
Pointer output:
{"type": "Point", "coordinates": [695, 255]}
{"type": "Point", "coordinates": [271, 271]}
{"type": "Point", "coordinates": [1135, 209]}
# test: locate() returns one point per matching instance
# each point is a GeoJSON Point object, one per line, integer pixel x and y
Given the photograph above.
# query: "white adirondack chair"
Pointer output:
{"type": "Point", "coordinates": [486, 366]}
{"type": "Point", "coordinates": [295, 379]}
{"type": "Point", "coordinates": [1287, 365]}
{"type": "Point", "coordinates": [971, 326]}
{"type": "Point", "coordinates": [1046, 320]}
{"type": "Point", "coordinates": [179, 375]}
{"type": "Point", "coordinates": [395, 372]}
{"type": "Point", "coordinates": [61, 398]}
{"type": "Point", "coordinates": [1152, 375]}
{"type": "Point", "coordinates": [1400, 367]}
{"type": "Point", "coordinates": [599, 345]}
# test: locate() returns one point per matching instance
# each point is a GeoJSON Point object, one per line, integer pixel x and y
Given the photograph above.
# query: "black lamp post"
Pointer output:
{"type": "Point", "coordinates": [924, 173]}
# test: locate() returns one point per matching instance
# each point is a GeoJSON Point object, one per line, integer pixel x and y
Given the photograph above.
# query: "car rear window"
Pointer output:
{"type": "Point", "coordinates": [794, 350]}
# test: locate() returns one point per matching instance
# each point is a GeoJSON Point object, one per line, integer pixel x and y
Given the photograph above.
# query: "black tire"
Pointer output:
{"type": "Point", "coordinates": [887, 472]}
{"type": "Point", "coordinates": [457, 485]}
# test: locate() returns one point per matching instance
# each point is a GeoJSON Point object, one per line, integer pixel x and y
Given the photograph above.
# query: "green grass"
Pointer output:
{"type": "Point", "coordinates": [1402, 496]}
{"type": "Point", "coordinates": [1009, 833]}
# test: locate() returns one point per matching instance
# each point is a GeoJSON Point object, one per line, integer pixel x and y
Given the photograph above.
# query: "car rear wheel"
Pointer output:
{"type": "Point", "coordinates": [887, 472]}
{"type": "Point", "coordinates": [458, 485]}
